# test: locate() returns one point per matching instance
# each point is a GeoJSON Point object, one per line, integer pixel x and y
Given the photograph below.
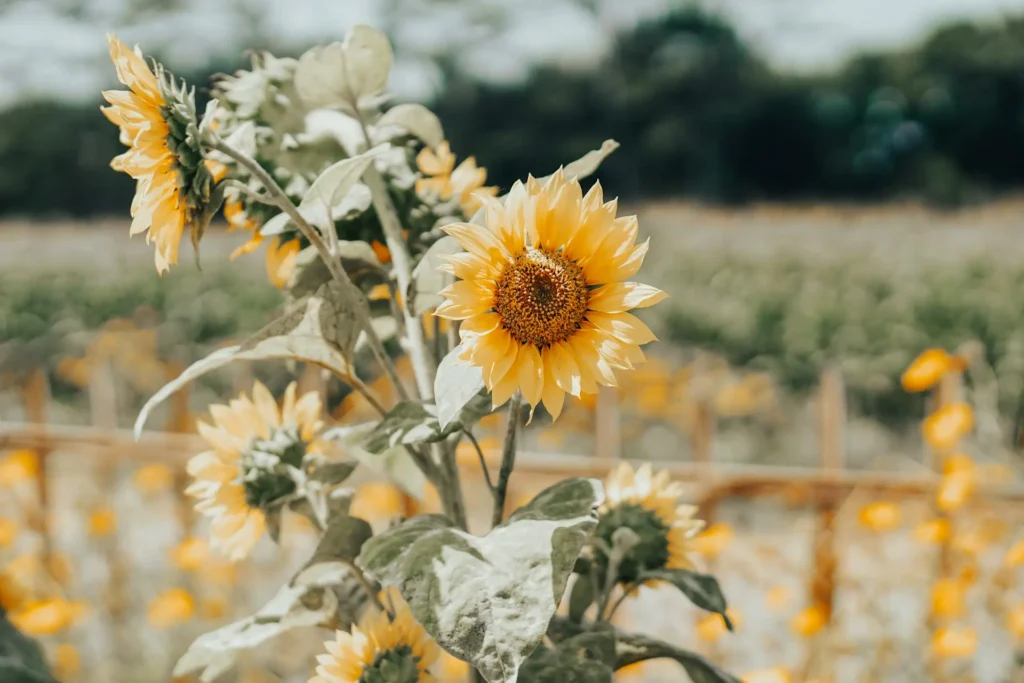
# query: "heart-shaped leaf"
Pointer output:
{"type": "Point", "coordinates": [488, 600]}
{"type": "Point", "coordinates": [702, 589]}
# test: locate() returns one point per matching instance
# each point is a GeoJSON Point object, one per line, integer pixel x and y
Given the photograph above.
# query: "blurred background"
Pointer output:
{"type": "Point", "coordinates": [832, 186]}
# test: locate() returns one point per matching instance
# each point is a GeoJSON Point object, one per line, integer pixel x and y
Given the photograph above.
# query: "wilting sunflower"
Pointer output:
{"type": "Point", "coordinates": [464, 183]}
{"type": "Point", "coordinates": [281, 256]}
{"type": "Point", "coordinates": [157, 119]}
{"type": "Point", "coordinates": [649, 505]}
{"type": "Point", "coordinates": [543, 298]}
{"type": "Point", "coordinates": [255, 445]}
{"type": "Point", "coordinates": [384, 650]}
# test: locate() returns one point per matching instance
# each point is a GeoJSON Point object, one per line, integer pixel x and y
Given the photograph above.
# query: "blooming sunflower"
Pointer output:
{"type": "Point", "coordinates": [383, 650]}
{"type": "Point", "coordinates": [464, 183]}
{"type": "Point", "coordinates": [647, 504]}
{"type": "Point", "coordinates": [542, 297]}
{"type": "Point", "coordinates": [157, 119]}
{"type": "Point", "coordinates": [281, 256]}
{"type": "Point", "coordinates": [255, 445]}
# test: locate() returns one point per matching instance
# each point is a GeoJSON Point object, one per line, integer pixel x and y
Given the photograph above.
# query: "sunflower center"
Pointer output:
{"type": "Point", "coordinates": [541, 297]}
{"type": "Point", "coordinates": [397, 665]}
{"type": "Point", "coordinates": [265, 467]}
{"type": "Point", "coordinates": [650, 553]}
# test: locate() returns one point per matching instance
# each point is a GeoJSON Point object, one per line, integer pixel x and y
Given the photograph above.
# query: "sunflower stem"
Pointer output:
{"type": "Point", "coordinates": [483, 461]}
{"type": "Point", "coordinates": [629, 590]}
{"type": "Point", "coordinates": [333, 264]}
{"type": "Point", "coordinates": [368, 587]}
{"type": "Point", "coordinates": [453, 488]}
{"type": "Point", "coordinates": [508, 459]}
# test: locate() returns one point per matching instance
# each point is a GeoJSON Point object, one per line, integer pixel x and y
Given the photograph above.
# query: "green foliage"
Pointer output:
{"type": "Point", "coordinates": [21, 658]}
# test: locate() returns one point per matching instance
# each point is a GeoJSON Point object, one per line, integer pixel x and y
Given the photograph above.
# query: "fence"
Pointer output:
{"type": "Point", "coordinates": [820, 494]}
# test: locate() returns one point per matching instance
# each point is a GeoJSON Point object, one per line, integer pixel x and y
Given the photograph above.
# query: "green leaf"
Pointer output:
{"type": "Point", "coordinates": [339, 74]}
{"type": "Point", "coordinates": [456, 384]}
{"type": "Point", "coordinates": [597, 644]}
{"type": "Point", "coordinates": [332, 473]}
{"type": "Point", "coordinates": [320, 329]}
{"type": "Point", "coordinates": [563, 666]}
{"type": "Point", "coordinates": [581, 597]}
{"type": "Point", "coordinates": [488, 600]}
{"type": "Point", "coordinates": [407, 423]}
{"type": "Point", "coordinates": [417, 120]}
{"type": "Point", "coordinates": [214, 653]}
{"type": "Point", "coordinates": [357, 259]}
{"type": "Point", "coordinates": [21, 658]}
{"type": "Point", "coordinates": [396, 464]}
{"type": "Point", "coordinates": [427, 280]}
{"type": "Point", "coordinates": [338, 548]}
{"type": "Point", "coordinates": [323, 202]}
{"type": "Point", "coordinates": [702, 589]}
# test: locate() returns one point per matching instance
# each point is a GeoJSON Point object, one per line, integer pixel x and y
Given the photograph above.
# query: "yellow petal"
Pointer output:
{"type": "Point", "coordinates": [620, 297]}
{"type": "Point", "coordinates": [530, 374]}
{"type": "Point", "coordinates": [624, 327]}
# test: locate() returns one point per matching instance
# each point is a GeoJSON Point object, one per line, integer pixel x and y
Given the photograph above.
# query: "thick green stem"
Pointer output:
{"type": "Point", "coordinates": [283, 202]}
{"type": "Point", "coordinates": [508, 459]}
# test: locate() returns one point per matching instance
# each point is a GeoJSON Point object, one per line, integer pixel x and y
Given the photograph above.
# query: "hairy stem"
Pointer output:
{"type": "Point", "coordinates": [333, 265]}
{"type": "Point", "coordinates": [508, 459]}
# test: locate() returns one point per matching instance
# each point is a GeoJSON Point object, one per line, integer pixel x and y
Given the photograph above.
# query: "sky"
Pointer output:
{"type": "Point", "coordinates": [44, 52]}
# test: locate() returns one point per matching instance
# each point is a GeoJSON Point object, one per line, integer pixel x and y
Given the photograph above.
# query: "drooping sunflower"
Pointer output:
{"type": "Point", "coordinates": [383, 650]}
{"type": "Point", "coordinates": [157, 119]}
{"type": "Point", "coordinates": [648, 504]}
{"type": "Point", "coordinates": [543, 296]}
{"type": "Point", "coordinates": [281, 256]}
{"type": "Point", "coordinates": [464, 183]}
{"type": "Point", "coordinates": [253, 446]}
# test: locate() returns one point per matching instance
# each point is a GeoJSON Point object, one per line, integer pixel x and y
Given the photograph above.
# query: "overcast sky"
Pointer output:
{"type": "Point", "coordinates": [44, 52]}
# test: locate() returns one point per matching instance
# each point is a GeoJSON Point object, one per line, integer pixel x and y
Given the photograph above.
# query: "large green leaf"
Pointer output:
{"type": "Point", "coordinates": [417, 120]}
{"type": "Point", "coordinates": [410, 423]}
{"type": "Point", "coordinates": [563, 666]}
{"type": "Point", "coordinates": [338, 548]}
{"type": "Point", "coordinates": [702, 589]}
{"type": "Point", "coordinates": [488, 600]}
{"type": "Point", "coordinates": [21, 658]}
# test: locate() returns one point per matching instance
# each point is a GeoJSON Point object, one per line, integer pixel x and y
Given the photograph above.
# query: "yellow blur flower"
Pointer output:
{"type": "Point", "coordinates": [102, 522]}
{"type": "Point", "coordinates": [932, 531]}
{"type": "Point", "coordinates": [776, 674]}
{"type": "Point", "coordinates": [8, 532]}
{"type": "Point", "coordinates": [1015, 621]}
{"type": "Point", "coordinates": [281, 260]}
{"type": "Point", "coordinates": [1014, 555]}
{"type": "Point", "coordinates": [711, 627]}
{"type": "Point", "coordinates": [67, 663]}
{"type": "Point", "coordinates": [954, 490]}
{"type": "Point", "coordinates": [358, 656]}
{"type": "Point", "coordinates": [631, 672]}
{"type": "Point", "coordinates": [880, 516]}
{"type": "Point", "coordinates": [213, 607]}
{"type": "Point", "coordinates": [18, 468]}
{"type": "Point", "coordinates": [236, 478]}
{"type": "Point", "coordinates": [449, 669]}
{"type": "Point", "coordinates": [543, 296]}
{"type": "Point", "coordinates": [158, 123]}
{"type": "Point", "coordinates": [170, 608]}
{"type": "Point", "coordinates": [951, 643]}
{"type": "Point", "coordinates": [714, 540]}
{"type": "Point", "coordinates": [191, 554]}
{"type": "Point", "coordinates": [929, 368]}
{"type": "Point", "coordinates": [735, 400]}
{"type": "Point", "coordinates": [47, 617]}
{"type": "Point", "coordinates": [777, 597]}
{"type": "Point", "coordinates": [153, 478]}
{"type": "Point", "coordinates": [442, 179]}
{"type": "Point", "coordinates": [944, 428]}
{"type": "Point", "coordinates": [949, 598]}
{"type": "Point", "coordinates": [377, 501]}
{"type": "Point", "coordinates": [810, 620]}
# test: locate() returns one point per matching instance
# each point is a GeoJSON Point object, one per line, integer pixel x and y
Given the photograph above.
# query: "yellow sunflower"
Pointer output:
{"type": "Point", "coordinates": [383, 649]}
{"type": "Point", "coordinates": [254, 445]}
{"type": "Point", "coordinates": [649, 505]}
{"type": "Point", "coordinates": [158, 123]}
{"type": "Point", "coordinates": [542, 296]}
{"type": "Point", "coordinates": [281, 256]}
{"type": "Point", "coordinates": [465, 183]}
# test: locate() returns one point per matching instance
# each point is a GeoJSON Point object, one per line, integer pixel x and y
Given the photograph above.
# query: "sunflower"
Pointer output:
{"type": "Point", "coordinates": [647, 504]}
{"type": "Point", "coordinates": [281, 256]}
{"type": "Point", "coordinates": [383, 650]}
{"type": "Point", "coordinates": [254, 447]}
{"type": "Point", "coordinates": [157, 119]}
{"type": "Point", "coordinates": [464, 183]}
{"type": "Point", "coordinates": [542, 294]}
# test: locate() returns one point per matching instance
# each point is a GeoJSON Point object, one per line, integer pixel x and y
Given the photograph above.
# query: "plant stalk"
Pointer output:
{"type": "Point", "coordinates": [333, 265]}
{"type": "Point", "coordinates": [508, 459]}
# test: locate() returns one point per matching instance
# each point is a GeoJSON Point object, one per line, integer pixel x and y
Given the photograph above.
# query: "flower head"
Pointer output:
{"type": "Point", "coordinates": [255, 446]}
{"type": "Point", "coordinates": [383, 649]}
{"type": "Point", "coordinates": [463, 183]}
{"type": "Point", "coordinates": [157, 119]}
{"type": "Point", "coordinates": [542, 294]}
{"type": "Point", "coordinates": [649, 506]}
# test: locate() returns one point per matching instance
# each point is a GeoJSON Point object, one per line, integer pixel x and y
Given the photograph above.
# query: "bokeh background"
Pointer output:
{"type": "Point", "coordinates": [831, 186]}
